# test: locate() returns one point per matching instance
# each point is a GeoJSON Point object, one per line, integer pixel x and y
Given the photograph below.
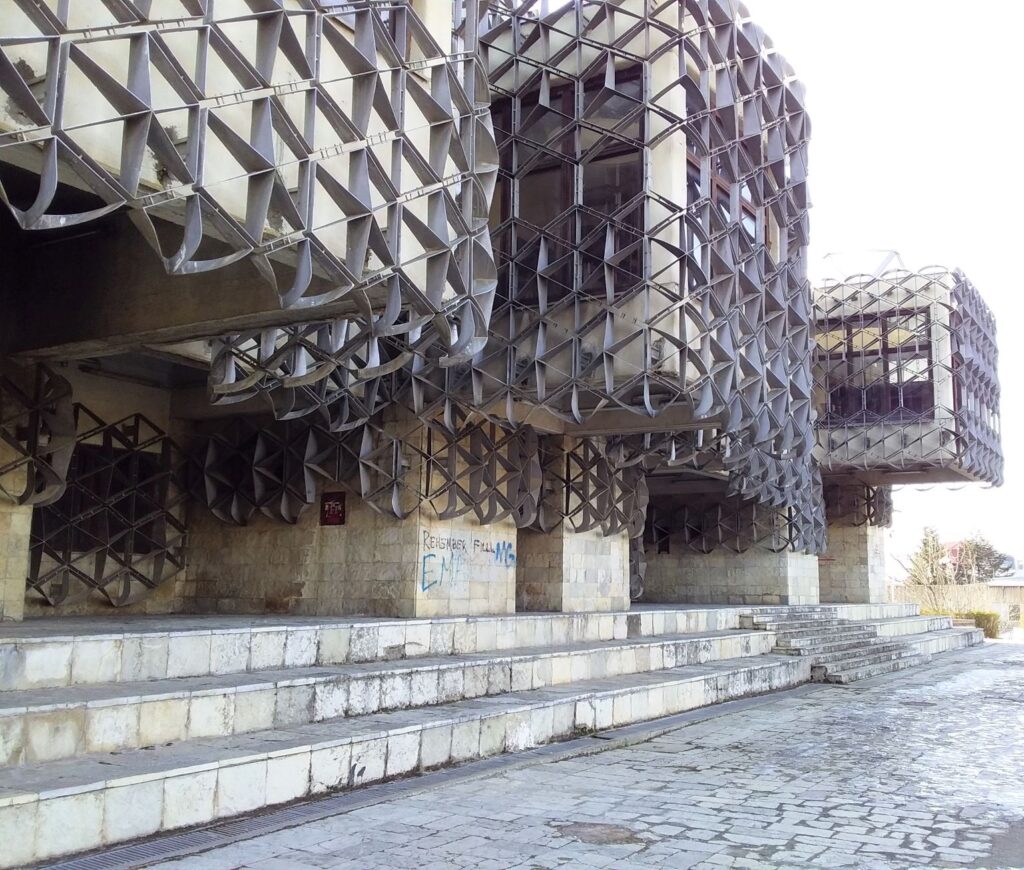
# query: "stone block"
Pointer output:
{"type": "Point", "coordinates": [72, 823]}
{"type": "Point", "coordinates": [211, 715]}
{"type": "Point", "coordinates": [18, 825]}
{"type": "Point", "coordinates": [96, 661]}
{"type": "Point", "coordinates": [518, 731]}
{"type": "Point", "coordinates": [300, 648]}
{"type": "Point", "coordinates": [395, 690]}
{"type": "Point", "coordinates": [423, 688]}
{"type": "Point", "coordinates": [163, 722]}
{"type": "Point", "coordinates": [45, 665]}
{"type": "Point", "coordinates": [492, 735]}
{"type": "Point", "coordinates": [330, 700]}
{"type": "Point", "coordinates": [144, 657]}
{"type": "Point", "coordinates": [112, 727]}
{"type": "Point", "coordinates": [363, 694]}
{"type": "Point", "coordinates": [229, 652]}
{"type": "Point", "coordinates": [330, 768]}
{"type": "Point", "coordinates": [131, 811]}
{"type": "Point", "coordinates": [241, 787]}
{"type": "Point", "coordinates": [189, 799]}
{"type": "Point", "coordinates": [58, 734]}
{"type": "Point", "coordinates": [436, 748]}
{"type": "Point", "coordinates": [266, 650]}
{"type": "Point", "coordinates": [403, 752]}
{"type": "Point", "coordinates": [288, 777]}
{"type": "Point", "coordinates": [363, 644]}
{"type": "Point", "coordinates": [12, 740]}
{"type": "Point", "coordinates": [465, 740]}
{"type": "Point", "coordinates": [254, 710]}
{"type": "Point", "coordinates": [334, 645]}
{"type": "Point", "coordinates": [188, 655]}
{"type": "Point", "coordinates": [294, 705]}
{"type": "Point", "coordinates": [369, 755]}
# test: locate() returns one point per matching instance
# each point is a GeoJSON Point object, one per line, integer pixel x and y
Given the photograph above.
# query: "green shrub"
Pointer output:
{"type": "Point", "coordinates": [985, 620]}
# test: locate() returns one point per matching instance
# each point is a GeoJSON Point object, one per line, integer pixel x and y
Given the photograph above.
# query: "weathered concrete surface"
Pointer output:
{"type": "Point", "coordinates": [922, 768]}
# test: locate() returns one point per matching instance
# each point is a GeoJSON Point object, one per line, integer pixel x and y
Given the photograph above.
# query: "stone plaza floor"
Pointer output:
{"type": "Point", "coordinates": [920, 768]}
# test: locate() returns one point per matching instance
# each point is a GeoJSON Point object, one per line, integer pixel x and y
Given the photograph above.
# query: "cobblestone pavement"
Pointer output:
{"type": "Point", "coordinates": [924, 768]}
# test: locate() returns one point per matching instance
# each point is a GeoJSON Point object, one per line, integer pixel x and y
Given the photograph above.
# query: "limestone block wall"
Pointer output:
{"type": "Point", "coordinates": [15, 528]}
{"type": "Point", "coordinates": [572, 573]}
{"type": "Point", "coordinates": [462, 567]}
{"type": "Point", "coordinates": [373, 565]}
{"type": "Point", "coordinates": [852, 571]}
{"type": "Point", "coordinates": [724, 577]}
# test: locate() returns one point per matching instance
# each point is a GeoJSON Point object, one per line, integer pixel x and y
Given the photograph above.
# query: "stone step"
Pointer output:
{"type": "Point", "coordinates": [856, 661]}
{"type": "Point", "coordinates": [801, 609]}
{"type": "Point", "coordinates": [864, 672]}
{"type": "Point", "coordinates": [871, 612]}
{"type": "Point", "coordinates": [48, 724]}
{"type": "Point", "coordinates": [62, 807]}
{"type": "Point", "coordinates": [921, 648]}
{"type": "Point", "coordinates": [946, 640]}
{"type": "Point", "coordinates": [47, 653]}
{"type": "Point", "coordinates": [905, 625]}
{"type": "Point", "coordinates": [793, 624]}
{"type": "Point", "coordinates": [758, 621]}
{"type": "Point", "coordinates": [850, 652]}
{"type": "Point", "coordinates": [804, 637]}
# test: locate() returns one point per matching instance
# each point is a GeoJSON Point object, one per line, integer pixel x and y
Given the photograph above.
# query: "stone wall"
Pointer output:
{"type": "Point", "coordinates": [373, 565]}
{"type": "Point", "coordinates": [852, 571]}
{"type": "Point", "coordinates": [682, 576]}
{"type": "Point", "coordinates": [572, 572]}
{"type": "Point", "coordinates": [15, 528]}
{"type": "Point", "coordinates": [15, 531]}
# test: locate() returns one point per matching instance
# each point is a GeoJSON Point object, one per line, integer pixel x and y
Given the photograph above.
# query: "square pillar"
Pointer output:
{"type": "Point", "coordinates": [570, 572]}
{"type": "Point", "coordinates": [852, 570]}
{"type": "Point", "coordinates": [15, 540]}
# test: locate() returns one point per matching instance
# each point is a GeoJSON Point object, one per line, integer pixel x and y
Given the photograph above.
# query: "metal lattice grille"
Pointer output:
{"type": "Point", "coordinates": [118, 528]}
{"type": "Point", "coordinates": [336, 145]}
{"type": "Point", "coordinates": [907, 374]}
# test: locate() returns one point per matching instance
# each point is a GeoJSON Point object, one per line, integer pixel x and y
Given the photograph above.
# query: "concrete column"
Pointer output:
{"type": "Point", "coordinates": [682, 576]}
{"type": "Point", "coordinates": [572, 573]}
{"type": "Point", "coordinates": [15, 529]}
{"type": "Point", "coordinates": [852, 571]}
{"type": "Point", "coordinates": [15, 537]}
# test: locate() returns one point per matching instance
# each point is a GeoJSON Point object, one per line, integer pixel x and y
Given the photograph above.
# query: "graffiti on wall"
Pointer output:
{"type": "Point", "coordinates": [448, 560]}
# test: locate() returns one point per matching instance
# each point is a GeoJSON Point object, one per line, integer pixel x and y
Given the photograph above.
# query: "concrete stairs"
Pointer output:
{"type": "Point", "coordinates": [115, 731]}
{"type": "Point", "coordinates": [842, 650]}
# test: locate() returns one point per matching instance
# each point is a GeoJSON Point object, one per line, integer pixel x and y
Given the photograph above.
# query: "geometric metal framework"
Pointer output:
{"type": "Point", "coordinates": [857, 504]}
{"type": "Point", "coordinates": [478, 467]}
{"type": "Point", "coordinates": [731, 523]}
{"type": "Point", "coordinates": [906, 374]}
{"type": "Point", "coordinates": [651, 215]}
{"type": "Point", "coordinates": [568, 209]}
{"type": "Point", "coordinates": [118, 528]}
{"type": "Point", "coordinates": [37, 433]}
{"type": "Point", "coordinates": [650, 226]}
{"type": "Point", "coordinates": [647, 201]}
{"type": "Point", "coordinates": [334, 145]}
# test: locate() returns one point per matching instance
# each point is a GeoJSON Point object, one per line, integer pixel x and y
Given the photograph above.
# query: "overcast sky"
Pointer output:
{"type": "Point", "coordinates": [917, 145]}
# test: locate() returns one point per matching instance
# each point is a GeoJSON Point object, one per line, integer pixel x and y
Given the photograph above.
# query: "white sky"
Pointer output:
{"type": "Point", "coordinates": [917, 144]}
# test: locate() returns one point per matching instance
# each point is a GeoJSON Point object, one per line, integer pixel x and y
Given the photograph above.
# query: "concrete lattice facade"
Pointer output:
{"type": "Point", "coordinates": [535, 293]}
